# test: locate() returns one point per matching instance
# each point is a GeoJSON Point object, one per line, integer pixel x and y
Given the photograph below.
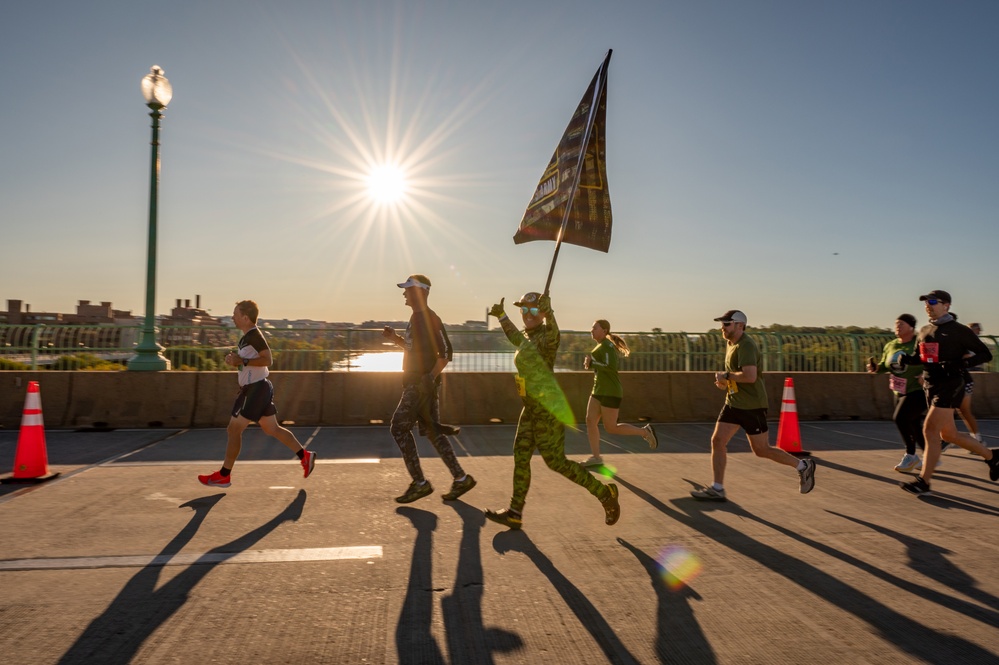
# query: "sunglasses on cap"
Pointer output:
{"type": "Point", "coordinates": [533, 311]}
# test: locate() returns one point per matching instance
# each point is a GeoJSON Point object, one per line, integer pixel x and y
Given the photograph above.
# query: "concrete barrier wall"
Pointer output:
{"type": "Point", "coordinates": [204, 399]}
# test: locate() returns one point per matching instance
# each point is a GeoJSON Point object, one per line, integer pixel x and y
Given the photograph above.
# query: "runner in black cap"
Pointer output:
{"type": "Point", "coordinates": [943, 347]}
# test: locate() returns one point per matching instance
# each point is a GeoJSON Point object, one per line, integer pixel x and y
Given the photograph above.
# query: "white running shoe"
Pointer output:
{"type": "Point", "coordinates": [908, 463]}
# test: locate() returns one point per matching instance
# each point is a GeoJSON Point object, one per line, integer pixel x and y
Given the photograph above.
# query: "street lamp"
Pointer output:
{"type": "Point", "coordinates": [148, 354]}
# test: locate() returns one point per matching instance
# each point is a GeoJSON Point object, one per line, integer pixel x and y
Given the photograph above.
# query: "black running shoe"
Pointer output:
{"type": "Point", "coordinates": [459, 487]}
{"type": "Point", "coordinates": [612, 509]}
{"type": "Point", "coordinates": [917, 486]}
{"type": "Point", "coordinates": [993, 464]}
{"type": "Point", "coordinates": [415, 491]}
{"type": "Point", "coordinates": [506, 517]}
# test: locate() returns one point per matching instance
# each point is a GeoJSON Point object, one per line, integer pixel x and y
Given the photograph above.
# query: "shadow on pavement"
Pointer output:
{"type": "Point", "coordinates": [414, 643]}
{"type": "Point", "coordinates": [140, 608]}
{"type": "Point", "coordinates": [679, 638]}
{"type": "Point", "coordinates": [919, 640]}
{"type": "Point", "coordinates": [469, 641]}
{"type": "Point", "coordinates": [588, 615]}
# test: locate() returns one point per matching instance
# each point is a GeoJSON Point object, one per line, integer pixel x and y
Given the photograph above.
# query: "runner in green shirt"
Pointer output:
{"type": "Point", "coordinates": [745, 408]}
{"type": "Point", "coordinates": [605, 400]}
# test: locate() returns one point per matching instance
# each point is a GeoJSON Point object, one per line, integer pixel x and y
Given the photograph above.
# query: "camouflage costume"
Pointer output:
{"type": "Point", "coordinates": [542, 421]}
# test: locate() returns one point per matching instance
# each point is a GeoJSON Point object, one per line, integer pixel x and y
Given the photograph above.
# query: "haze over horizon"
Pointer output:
{"type": "Point", "coordinates": [810, 164]}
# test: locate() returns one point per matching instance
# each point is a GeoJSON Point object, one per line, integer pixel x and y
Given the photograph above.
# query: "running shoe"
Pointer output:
{"type": "Point", "coordinates": [654, 443]}
{"type": "Point", "coordinates": [917, 486]}
{"type": "Point", "coordinates": [806, 477]}
{"type": "Point", "coordinates": [993, 464]}
{"type": "Point", "coordinates": [612, 508]}
{"type": "Point", "coordinates": [415, 491]}
{"type": "Point", "coordinates": [308, 462]}
{"type": "Point", "coordinates": [908, 463]}
{"type": "Point", "coordinates": [216, 479]}
{"type": "Point", "coordinates": [506, 517]}
{"type": "Point", "coordinates": [593, 460]}
{"type": "Point", "coordinates": [459, 487]}
{"type": "Point", "coordinates": [709, 493]}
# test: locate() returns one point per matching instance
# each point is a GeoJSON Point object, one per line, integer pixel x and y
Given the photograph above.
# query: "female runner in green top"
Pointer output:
{"type": "Point", "coordinates": [605, 402]}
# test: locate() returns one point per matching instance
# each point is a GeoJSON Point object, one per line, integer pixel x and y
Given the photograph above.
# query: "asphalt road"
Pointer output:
{"type": "Point", "coordinates": [126, 558]}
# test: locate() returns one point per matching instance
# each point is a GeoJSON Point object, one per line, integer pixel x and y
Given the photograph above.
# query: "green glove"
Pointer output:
{"type": "Point", "coordinates": [497, 309]}
{"type": "Point", "coordinates": [545, 304]}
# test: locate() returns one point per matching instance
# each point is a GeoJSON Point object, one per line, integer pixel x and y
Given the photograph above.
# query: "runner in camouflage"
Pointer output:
{"type": "Point", "coordinates": [546, 411]}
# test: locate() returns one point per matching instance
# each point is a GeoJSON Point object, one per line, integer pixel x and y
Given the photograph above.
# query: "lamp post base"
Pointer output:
{"type": "Point", "coordinates": [148, 360]}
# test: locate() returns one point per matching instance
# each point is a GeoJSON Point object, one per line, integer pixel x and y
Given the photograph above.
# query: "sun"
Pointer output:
{"type": "Point", "coordinates": [387, 185]}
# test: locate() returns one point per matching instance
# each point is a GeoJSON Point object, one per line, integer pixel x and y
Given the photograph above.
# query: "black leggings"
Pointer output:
{"type": "Point", "coordinates": [910, 411]}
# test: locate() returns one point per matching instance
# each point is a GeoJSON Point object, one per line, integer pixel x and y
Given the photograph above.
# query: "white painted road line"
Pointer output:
{"type": "Point", "coordinates": [189, 559]}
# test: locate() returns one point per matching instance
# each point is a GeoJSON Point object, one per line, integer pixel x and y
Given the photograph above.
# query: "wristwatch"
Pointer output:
{"type": "Point", "coordinates": [726, 376]}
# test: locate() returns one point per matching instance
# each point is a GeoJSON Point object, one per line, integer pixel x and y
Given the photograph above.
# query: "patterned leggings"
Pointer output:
{"type": "Point", "coordinates": [405, 416]}
{"type": "Point", "coordinates": [538, 429]}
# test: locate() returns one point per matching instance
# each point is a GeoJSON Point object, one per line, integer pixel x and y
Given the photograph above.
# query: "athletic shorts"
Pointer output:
{"type": "Point", "coordinates": [254, 401]}
{"type": "Point", "coordinates": [946, 393]}
{"type": "Point", "coordinates": [608, 401]}
{"type": "Point", "coordinates": [754, 421]}
{"type": "Point", "coordinates": [969, 384]}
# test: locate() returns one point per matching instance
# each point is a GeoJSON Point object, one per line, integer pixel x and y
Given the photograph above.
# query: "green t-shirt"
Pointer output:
{"type": "Point", "coordinates": [603, 362]}
{"type": "Point", "coordinates": [910, 375]}
{"type": "Point", "coordinates": [745, 353]}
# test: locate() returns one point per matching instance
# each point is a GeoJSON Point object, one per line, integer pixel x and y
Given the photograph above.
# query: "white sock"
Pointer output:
{"type": "Point", "coordinates": [978, 436]}
{"type": "Point", "coordinates": [718, 486]}
{"type": "Point", "coordinates": [458, 480]}
{"type": "Point", "coordinates": [801, 465]}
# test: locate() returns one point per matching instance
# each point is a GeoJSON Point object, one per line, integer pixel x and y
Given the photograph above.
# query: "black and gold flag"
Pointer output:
{"type": "Point", "coordinates": [575, 176]}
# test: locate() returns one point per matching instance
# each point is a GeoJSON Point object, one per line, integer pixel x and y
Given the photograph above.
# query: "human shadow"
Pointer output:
{"type": "Point", "coordinates": [588, 615]}
{"type": "Point", "coordinates": [469, 641]}
{"type": "Point", "coordinates": [936, 497]}
{"type": "Point", "coordinates": [140, 607]}
{"type": "Point", "coordinates": [679, 638]}
{"type": "Point", "coordinates": [414, 643]}
{"type": "Point", "coordinates": [930, 559]}
{"type": "Point", "coordinates": [919, 640]}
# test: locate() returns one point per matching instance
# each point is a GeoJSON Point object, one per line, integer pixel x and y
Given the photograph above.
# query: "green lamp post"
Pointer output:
{"type": "Point", "coordinates": [148, 354]}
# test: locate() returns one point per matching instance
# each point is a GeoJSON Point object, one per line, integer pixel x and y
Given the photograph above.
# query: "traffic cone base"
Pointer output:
{"type": "Point", "coordinates": [788, 432]}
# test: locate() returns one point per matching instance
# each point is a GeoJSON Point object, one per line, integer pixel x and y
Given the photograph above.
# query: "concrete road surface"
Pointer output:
{"type": "Point", "coordinates": [126, 558]}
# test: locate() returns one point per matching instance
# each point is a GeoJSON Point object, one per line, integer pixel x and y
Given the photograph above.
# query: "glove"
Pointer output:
{"type": "Point", "coordinates": [900, 361]}
{"type": "Point", "coordinates": [497, 309]}
{"type": "Point", "coordinates": [545, 304]}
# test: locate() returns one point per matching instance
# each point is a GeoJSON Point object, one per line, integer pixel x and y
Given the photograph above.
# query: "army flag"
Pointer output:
{"type": "Point", "coordinates": [572, 203]}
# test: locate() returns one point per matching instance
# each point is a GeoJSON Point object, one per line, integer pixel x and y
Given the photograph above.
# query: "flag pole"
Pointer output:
{"type": "Point", "coordinates": [598, 90]}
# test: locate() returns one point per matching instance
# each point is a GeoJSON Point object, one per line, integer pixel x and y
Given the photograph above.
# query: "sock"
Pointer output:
{"type": "Point", "coordinates": [978, 436]}
{"type": "Point", "coordinates": [717, 486]}
{"type": "Point", "coordinates": [801, 465]}
{"type": "Point", "coordinates": [462, 479]}
{"type": "Point", "coordinates": [301, 453]}
{"type": "Point", "coordinates": [421, 483]}
{"type": "Point", "coordinates": [225, 472]}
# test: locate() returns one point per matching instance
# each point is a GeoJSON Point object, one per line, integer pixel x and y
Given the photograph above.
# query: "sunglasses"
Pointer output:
{"type": "Point", "coordinates": [932, 301]}
{"type": "Point", "coordinates": [726, 324]}
{"type": "Point", "coordinates": [533, 311]}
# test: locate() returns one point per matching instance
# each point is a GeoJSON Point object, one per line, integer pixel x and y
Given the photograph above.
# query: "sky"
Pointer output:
{"type": "Point", "coordinates": [810, 163]}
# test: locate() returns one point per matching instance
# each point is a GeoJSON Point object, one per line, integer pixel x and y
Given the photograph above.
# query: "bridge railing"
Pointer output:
{"type": "Point", "coordinates": [202, 348]}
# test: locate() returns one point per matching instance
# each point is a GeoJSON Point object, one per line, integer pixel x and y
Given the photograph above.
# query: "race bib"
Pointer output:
{"type": "Point", "coordinates": [929, 352]}
{"type": "Point", "coordinates": [897, 384]}
{"type": "Point", "coordinates": [733, 387]}
{"type": "Point", "coordinates": [521, 385]}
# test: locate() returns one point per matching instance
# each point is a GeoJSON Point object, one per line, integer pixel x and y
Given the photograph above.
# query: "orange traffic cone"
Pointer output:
{"type": "Point", "coordinates": [31, 462]}
{"type": "Point", "coordinates": [788, 433]}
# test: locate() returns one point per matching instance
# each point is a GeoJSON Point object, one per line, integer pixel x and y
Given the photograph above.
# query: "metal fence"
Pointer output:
{"type": "Point", "coordinates": [202, 348]}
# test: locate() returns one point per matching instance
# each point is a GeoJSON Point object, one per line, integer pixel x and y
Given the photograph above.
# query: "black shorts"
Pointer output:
{"type": "Point", "coordinates": [969, 384]}
{"type": "Point", "coordinates": [947, 393]}
{"type": "Point", "coordinates": [608, 401]}
{"type": "Point", "coordinates": [754, 421]}
{"type": "Point", "coordinates": [255, 401]}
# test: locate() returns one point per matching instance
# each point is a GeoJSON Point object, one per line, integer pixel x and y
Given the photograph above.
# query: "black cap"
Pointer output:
{"type": "Point", "coordinates": [942, 296]}
{"type": "Point", "coordinates": [908, 318]}
{"type": "Point", "coordinates": [732, 315]}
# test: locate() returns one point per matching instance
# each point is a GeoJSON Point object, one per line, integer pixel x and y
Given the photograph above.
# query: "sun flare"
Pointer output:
{"type": "Point", "coordinates": [387, 184]}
